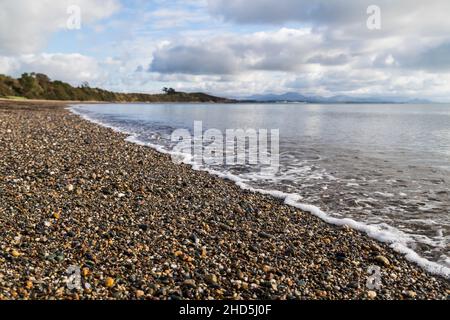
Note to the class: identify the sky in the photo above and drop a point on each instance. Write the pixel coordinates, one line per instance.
(234, 48)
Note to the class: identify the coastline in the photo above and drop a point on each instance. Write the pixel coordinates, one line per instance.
(139, 226)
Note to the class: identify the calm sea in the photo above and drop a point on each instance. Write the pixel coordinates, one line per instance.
(383, 169)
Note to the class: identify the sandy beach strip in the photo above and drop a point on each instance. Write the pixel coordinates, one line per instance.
(127, 223)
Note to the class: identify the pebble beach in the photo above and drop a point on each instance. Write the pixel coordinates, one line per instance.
(77, 199)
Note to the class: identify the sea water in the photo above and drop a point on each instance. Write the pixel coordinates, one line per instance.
(382, 169)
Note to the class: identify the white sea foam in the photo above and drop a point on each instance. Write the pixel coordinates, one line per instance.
(397, 239)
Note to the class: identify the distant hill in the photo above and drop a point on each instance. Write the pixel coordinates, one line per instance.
(39, 86)
(296, 97)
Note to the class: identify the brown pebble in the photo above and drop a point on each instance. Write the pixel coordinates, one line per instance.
(139, 294)
(15, 253)
(109, 282)
(383, 260)
(211, 279)
(29, 285)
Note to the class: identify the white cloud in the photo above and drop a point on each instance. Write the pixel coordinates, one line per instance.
(72, 68)
(326, 44)
(26, 25)
(282, 50)
(312, 47)
(398, 17)
(8, 65)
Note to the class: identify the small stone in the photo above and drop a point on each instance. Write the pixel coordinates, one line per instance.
(265, 235)
(56, 215)
(140, 294)
(15, 253)
(178, 253)
(211, 279)
(121, 195)
(237, 284)
(59, 257)
(354, 285)
(383, 260)
(109, 282)
(189, 283)
(410, 294)
(29, 285)
(376, 247)
(301, 283)
(143, 227)
(194, 239)
(267, 268)
(274, 285)
(341, 256)
(371, 294)
(322, 294)
(60, 291)
(70, 187)
(85, 272)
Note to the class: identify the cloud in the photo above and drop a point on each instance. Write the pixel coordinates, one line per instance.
(8, 65)
(194, 59)
(398, 17)
(175, 17)
(282, 50)
(282, 11)
(235, 47)
(72, 68)
(25, 26)
(435, 59)
(329, 60)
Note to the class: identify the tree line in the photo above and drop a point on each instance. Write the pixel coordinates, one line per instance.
(40, 86)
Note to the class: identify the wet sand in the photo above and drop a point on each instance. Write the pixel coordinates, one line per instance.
(137, 226)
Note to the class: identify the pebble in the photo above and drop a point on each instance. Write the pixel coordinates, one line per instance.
(160, 249)
(211, 279)
(57, 215)
(139, 294)
(189, 283)
(109, 282)
(371, 294)
(85, 272)
(410, 294)
(15, 253)
(267, 268)
(29, 285)
(383, 260)
(265, 235)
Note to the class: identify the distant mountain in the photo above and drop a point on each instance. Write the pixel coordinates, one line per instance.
(296, 97)
(289, 96)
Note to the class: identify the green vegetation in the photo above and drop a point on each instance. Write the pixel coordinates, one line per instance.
(16, 98)
(41, 87)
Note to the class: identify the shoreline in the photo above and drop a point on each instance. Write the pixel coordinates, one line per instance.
(139, 226)
(294, 199)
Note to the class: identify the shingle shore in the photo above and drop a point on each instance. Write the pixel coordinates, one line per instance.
(134, 225)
